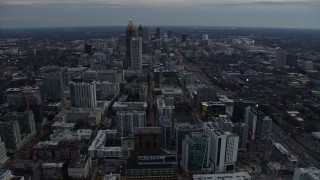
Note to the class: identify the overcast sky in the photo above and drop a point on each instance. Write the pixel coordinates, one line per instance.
(247, 13)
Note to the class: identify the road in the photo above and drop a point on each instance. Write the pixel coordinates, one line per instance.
(280, 136)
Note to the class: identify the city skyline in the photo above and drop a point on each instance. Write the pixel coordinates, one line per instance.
(243, 13)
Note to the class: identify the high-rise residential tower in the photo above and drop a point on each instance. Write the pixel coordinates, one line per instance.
(129, 34)
(83, 95)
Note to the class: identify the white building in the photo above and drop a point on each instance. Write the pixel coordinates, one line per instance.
(136, 53)
(163, 110)
(311, 173)
(223, 149)
(98, 148)
(205, 37)
(128, 120)
(83, 95)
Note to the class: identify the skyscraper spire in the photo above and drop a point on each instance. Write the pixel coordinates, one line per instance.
(130, 32)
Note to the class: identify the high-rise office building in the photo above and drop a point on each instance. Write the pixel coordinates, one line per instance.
(11, 135)
(195, 153)
(130, 32)
(281, 58)
(166, 127)
(25, 120)
(223, 149)
(239, 109)
(140, 31)
(183, 129)
(170, 34)
(205, 37)
(184, 37)
(136, 53)
(83, 94)
(158, 33)
(127, 120)
(52, 86)
(88, 49)
(259, 129)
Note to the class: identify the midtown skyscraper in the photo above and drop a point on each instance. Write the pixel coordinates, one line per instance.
(129, 34)
(136, 53)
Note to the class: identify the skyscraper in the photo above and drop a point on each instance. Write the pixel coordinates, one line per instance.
(136, 53)
(281, 59)
(140, 31)
(83, 95)
(170, 35)
(195, 153)
(158, 33)
(223, 149)
(129, 34)
(259, 128)
(52, 86)
(184, 37)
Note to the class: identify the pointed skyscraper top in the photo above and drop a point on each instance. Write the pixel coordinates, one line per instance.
(130, 25)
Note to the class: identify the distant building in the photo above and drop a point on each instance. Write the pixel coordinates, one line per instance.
(170, 34)
(158, 33)
(311, 173)
(281, 58)
(205, 37)
(147, 141)
(136, 53)
(195, 153)
(184, 37)
(292, 60)
(83, 95)
(88, 49)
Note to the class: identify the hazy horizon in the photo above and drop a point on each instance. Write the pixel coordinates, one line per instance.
(301, 14)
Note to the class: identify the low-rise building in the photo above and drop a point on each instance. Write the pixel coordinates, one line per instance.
(52, 171)
(79, 167)
(224, 176)
(311, 173)
(152, 167)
